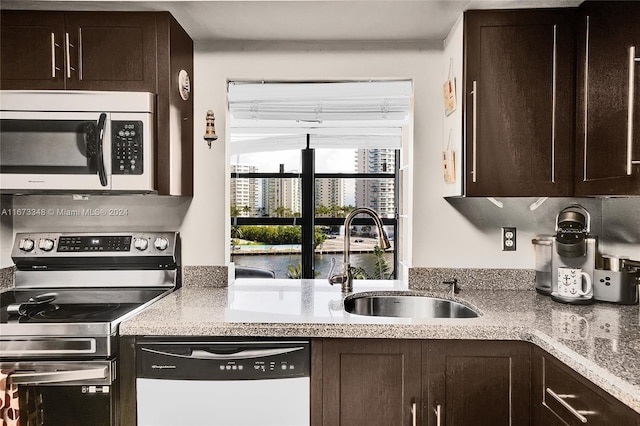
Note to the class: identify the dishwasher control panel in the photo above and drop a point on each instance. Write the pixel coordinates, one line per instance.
(219, 360)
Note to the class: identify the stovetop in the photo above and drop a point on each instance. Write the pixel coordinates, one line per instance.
(69, 306)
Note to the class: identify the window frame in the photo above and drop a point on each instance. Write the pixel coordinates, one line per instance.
(308, 174)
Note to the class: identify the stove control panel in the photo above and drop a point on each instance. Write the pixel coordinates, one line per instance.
(94, 243)
(43, 245)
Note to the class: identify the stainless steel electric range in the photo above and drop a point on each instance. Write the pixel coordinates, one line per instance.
(59, 325)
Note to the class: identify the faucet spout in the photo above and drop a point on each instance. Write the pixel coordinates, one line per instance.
(346, 278)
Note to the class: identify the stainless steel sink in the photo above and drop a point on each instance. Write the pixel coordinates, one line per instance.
(405, 305)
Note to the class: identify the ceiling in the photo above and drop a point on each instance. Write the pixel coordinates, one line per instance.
(324, 20)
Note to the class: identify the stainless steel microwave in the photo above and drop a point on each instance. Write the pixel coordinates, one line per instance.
(76, 141)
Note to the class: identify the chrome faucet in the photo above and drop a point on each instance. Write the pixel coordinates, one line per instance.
(346, 278)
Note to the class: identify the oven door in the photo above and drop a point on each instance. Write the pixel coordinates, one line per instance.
(65, 393)
(55, 151)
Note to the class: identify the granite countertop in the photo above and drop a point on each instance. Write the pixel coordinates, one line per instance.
(599, 341)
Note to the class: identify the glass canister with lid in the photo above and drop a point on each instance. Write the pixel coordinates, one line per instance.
(543, 245)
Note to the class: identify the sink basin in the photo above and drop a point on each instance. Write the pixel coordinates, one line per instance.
(405, 305)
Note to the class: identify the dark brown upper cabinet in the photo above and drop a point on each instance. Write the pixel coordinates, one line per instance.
(78, 51)
(32, 50)
(608, 99)
(518, 103)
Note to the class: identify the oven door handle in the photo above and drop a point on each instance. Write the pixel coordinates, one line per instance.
(102, 174)
(36, 378)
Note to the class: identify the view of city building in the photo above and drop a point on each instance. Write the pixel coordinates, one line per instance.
(281, 197)
(277, 197)
(330, 193)
(377, 194)
(244, 191)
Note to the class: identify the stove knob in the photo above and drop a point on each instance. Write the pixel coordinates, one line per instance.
(26, 244)
(161, 243)
(45, 244)
(141, 244)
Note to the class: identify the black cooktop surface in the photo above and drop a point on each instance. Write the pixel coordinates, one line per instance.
(71, 305)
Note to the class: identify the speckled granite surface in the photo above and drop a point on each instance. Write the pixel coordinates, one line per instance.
(205, 276)
(6, 277)
(472, 278)
(599, 341)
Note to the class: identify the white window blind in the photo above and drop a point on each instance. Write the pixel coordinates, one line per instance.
(279, 116)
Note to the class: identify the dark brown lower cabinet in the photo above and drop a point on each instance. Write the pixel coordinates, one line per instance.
(388, 382)
(563, 397)
(476, 383)
(369, 382)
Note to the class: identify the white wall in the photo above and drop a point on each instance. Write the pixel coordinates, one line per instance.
(217, 64)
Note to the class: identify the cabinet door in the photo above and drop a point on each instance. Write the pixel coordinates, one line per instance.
(31, 50)
(519, 102)
(475, 383)
(562, 397)
(370, 382)
(111, 51)
(608, 134)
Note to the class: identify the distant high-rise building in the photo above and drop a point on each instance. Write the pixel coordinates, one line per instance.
(330, 192)
(244, 191)
(377, 194)
(281, 196)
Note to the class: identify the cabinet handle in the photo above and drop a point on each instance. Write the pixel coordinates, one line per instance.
(553, 104)
(586, 99)
(561, 399)
(474, 129)
(67, 52)
(53, 55)
(438, 410)
(414, 414)
(632, 73)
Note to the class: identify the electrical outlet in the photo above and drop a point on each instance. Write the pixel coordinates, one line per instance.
(508, 239)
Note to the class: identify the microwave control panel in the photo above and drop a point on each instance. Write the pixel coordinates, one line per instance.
(126, 148)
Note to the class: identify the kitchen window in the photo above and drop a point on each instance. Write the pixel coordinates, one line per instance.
(303, 155)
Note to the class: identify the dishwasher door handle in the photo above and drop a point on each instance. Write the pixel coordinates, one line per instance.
(244, 354)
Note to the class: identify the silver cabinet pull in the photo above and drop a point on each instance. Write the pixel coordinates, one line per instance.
(553, 105)
(68, 47)
(53, 55)
(414, 414)
(474, 129)
(586, 100)
(561, 399)
(632, 74)
(438, 410)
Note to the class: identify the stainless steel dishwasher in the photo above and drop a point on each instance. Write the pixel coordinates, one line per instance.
(223, 383)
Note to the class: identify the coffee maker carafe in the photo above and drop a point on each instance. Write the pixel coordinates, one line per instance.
(573, 247)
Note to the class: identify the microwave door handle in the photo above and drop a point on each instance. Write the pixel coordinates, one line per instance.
(102, 174)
